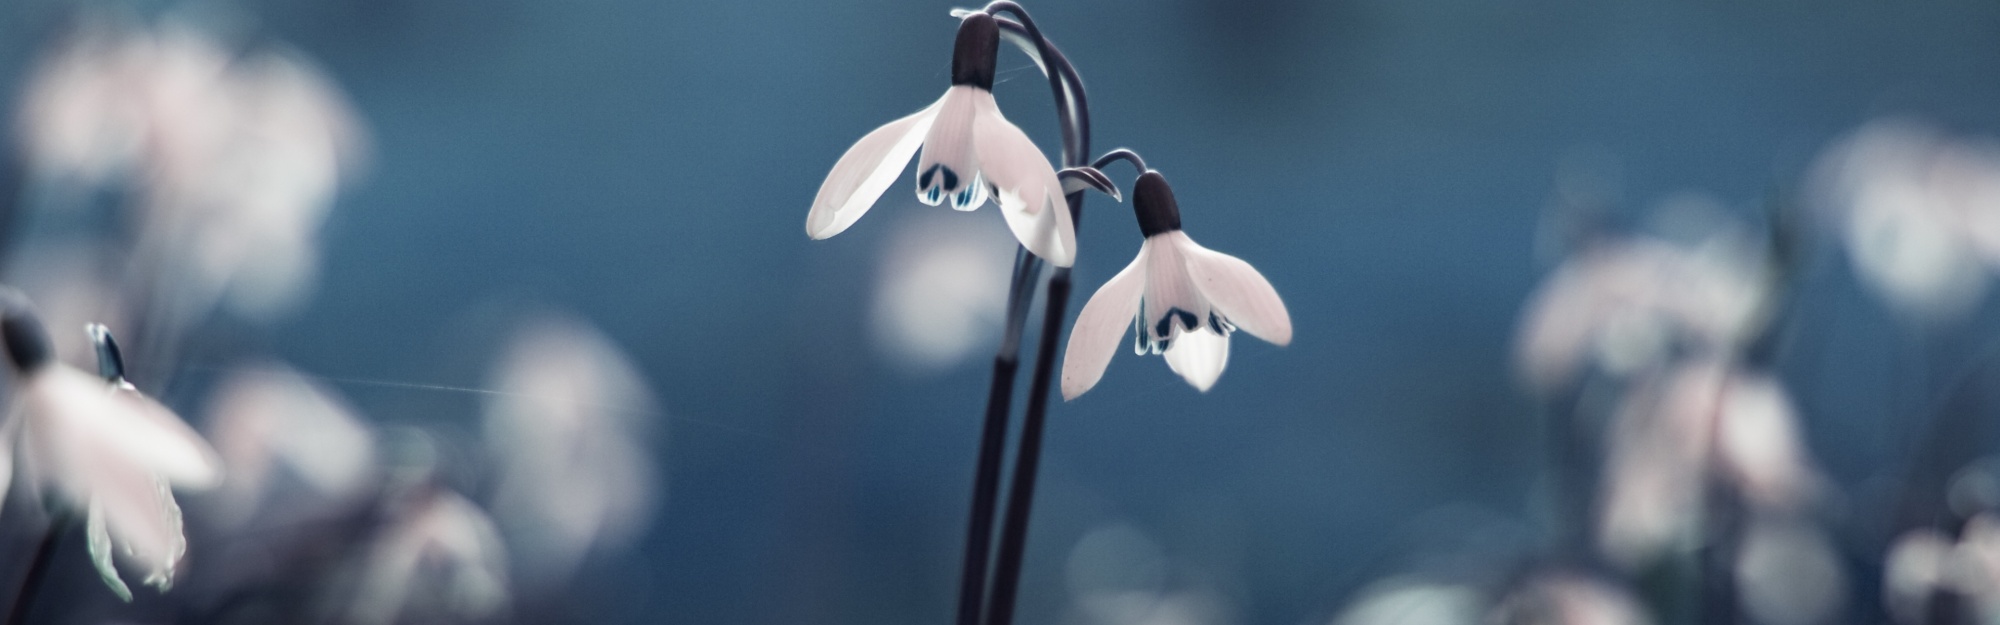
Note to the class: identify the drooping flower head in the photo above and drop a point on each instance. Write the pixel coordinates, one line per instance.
(970, 153)
(1183, 301)
(108, 451)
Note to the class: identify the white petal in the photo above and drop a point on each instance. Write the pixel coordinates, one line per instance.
(7, 442)
(1030, 196)
(98, 538)
(92, 420)
(948, 168)
(1199, 357)
(1094, 338)
(1236, 290)
(865, 171)
(1172, 303)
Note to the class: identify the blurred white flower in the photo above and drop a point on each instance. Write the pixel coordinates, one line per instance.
(109, 452)
(1625, 305)
(941, 291)
(441, 555)
(569, 425)
(1181, 299)
(267, 417)
(970, 153)
(1919, 213)
(234, 159)
(1789, 573)
(1924, 562)
(1568, 599)
(1704, 423)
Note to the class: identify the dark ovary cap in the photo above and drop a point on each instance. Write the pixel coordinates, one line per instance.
(976, 52)
(27, 342)
(1153, 202)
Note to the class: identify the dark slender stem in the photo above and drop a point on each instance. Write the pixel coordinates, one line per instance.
(38, 568)
(1119, 154)
(993, 441)
(1027, 461)
(1073, 111)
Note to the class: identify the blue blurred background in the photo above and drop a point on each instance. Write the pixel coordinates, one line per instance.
(1386, 163)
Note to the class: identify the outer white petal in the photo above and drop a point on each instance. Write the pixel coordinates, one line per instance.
(89, 418)
(1199, 357)
(949, 147)
(98, 539)
(1026, 188)
(1235, 289)
(865, 171)
(1094, 338)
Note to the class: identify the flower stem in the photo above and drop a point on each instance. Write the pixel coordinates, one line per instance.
(993, 441)
(1073, 111)
(1027, 460)
(38, 568)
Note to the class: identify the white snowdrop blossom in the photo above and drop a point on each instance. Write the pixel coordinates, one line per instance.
(1705, 421)
(1181, 299)
(970, 153)
(570, 427)
(1919, 213)
(108, 452)
(1624, 305)
(441, 556)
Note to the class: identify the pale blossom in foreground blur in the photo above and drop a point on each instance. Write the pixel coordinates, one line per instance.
(439, 558)
(269, 422)
(569, 426)
(109, 453)
(1919, 213)
(1625, 305)
(1702, 425)
(233, 159)
(941, 292)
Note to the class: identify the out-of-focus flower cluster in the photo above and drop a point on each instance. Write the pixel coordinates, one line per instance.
(175, 174)
(226, 160)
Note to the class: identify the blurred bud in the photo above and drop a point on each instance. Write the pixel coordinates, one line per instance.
(1913, 572)
(1788, 573)
(266, 418)
(1919, 213)
(569, 427)
(1116, 574)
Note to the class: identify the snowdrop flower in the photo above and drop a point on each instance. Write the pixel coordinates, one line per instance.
(570, 428)
(1181, 299)
(106, 450)
(970, 153)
